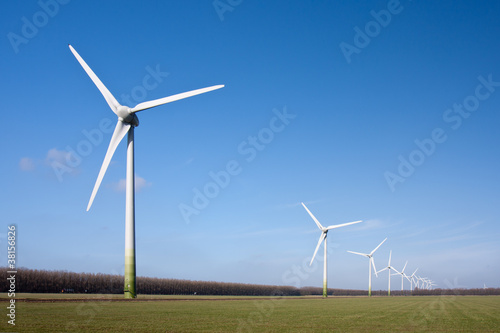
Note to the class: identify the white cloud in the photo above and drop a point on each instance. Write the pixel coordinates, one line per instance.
(27, 164)
(60, 156)
(120, 186)
(140, 183)
(62, 162)
(370, 224)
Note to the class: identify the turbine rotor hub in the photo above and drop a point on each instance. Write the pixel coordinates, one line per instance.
(123, 111)
(126, 116)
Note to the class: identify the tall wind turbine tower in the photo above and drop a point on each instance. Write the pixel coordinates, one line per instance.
(127, 121)
(389, 267)
(322, 238)
(371, 263)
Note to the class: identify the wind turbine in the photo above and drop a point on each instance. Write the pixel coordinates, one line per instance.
(371, 263)
(417, 282)
(411, 279)
(127, 120)
(322, 237)
(422, 282)
(402, 273)
(425, 283)
(431, 284)
(389, 267)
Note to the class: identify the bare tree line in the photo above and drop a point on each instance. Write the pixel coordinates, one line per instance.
(44, 281)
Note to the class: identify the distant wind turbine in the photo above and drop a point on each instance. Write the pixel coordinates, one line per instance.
(389, 267)
(126, 122)
(322, 237)
(371, 263)
(417, 282)
(425, 283)
(411, 279)
(402, 273)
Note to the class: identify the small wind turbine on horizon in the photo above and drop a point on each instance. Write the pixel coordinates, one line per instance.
(432, 284)
(402, 273)
(417, 282)
(389, 267)
(411, 279)
(371, 263)
(322, 238)
(127, 120)
(420, 282)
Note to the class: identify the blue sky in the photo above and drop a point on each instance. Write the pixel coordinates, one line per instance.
(383, 111)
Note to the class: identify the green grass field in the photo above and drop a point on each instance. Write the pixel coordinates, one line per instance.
(254, 314)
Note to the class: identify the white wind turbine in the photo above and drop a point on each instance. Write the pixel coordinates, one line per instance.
(431, 284)
(417, 282)
(411, 278)
(389, 267)
(322, 237)
(371, 263)
(127, 120)
(425, 283)
(402, 273)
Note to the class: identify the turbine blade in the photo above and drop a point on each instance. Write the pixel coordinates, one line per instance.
(120, 130)
(323, 235)
(361, 254)
(342, 225)
(383, 269)
(110, 99)
(165, 100)
(414, 272)
(378, 246)
(374, 268)
(314, 218)
(402, 271)
(390, 254)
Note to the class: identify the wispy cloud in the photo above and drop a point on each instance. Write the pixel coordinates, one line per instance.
(461, 233)
(140, 183)
(55, 155)
(369, 224)
(60, 161)
(27, 164)
(468, 227)
(189, 161)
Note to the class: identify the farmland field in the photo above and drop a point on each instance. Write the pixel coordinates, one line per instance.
(46, 313)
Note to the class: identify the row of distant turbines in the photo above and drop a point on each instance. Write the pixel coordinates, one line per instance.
(417, 281)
